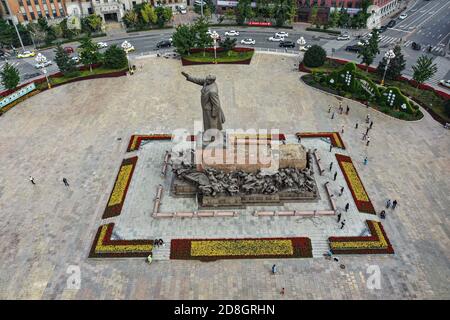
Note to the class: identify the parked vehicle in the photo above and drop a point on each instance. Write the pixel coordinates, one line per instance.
(276, 39)
(354, 48)
(305, 48)
(343, 37)
(42, 65)
(182, 9)
(282, 34)
(248, 41)
(403, 16)
(445, 83)
(383, 29)
(102, 45)
(287, 44)
(69, 50)
(76, 59)
(129, 49)
(391, 23)
(416, 46)
(164, 44)
(26, 54)
(232, 33)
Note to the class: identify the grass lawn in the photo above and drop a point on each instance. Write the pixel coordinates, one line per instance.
(231, 56)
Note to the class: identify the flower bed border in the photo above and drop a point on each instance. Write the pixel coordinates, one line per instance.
(187, 62)
(115, 210)
(366, 207)
(181, 249)
(356, 244)
(104, 247)
(136, 140)
(335, 137)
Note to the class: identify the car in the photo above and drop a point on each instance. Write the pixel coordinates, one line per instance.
(382, 29)
(182, 9)
(172, 55)
(69, 50)
(416, 46)
(282, 34)
(248, 41)
(26, 54)
(76, 59)
(276, 39)
(403, 16)
(287, 44)
(129, 49)
(102, 45)
(354, 48)
(232, 33)
(42, 65)
(164, 44)
(343, 37)
(305, 48)
(391, 23)
(445, 83)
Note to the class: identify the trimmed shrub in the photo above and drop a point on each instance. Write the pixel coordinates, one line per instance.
(393, 98)
(115, 58)
(315, 57)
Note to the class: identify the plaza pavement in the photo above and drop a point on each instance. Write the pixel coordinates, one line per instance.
(73, 131)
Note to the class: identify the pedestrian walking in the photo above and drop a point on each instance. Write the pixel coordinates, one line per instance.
(367, 130)
(332, 115)
(331, 165)
(342, 224)
(368, 141)
(388, 204)
(368, 118)
(347, 206)
(150, 258)
(364, 136)
(383, 214)
(394, 204)
(356, 125)
(371, 124)
(331, 147)
(347, 110)
(329, 108)
(156, 243)
(65, 182)
(32, 180)
(365, 161)
(274, 269)
(335, 175)
(342, 130)
(342, 191)
(339, 217)
(282, 291)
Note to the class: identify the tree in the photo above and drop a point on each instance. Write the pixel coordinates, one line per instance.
(115, 58)
(344, 17)
(395, 67)
(184, 38)
(130, 18)
(333, 20)
(202, 38)
(313, 16)
(65, 31)
(89, 52)
(148, 14)
(424, 69)
(91, 23)
(65, 64)
(6, 33)
(369, 49)
(164, 15)
(314, 57)
(282, 11)
(243, 11)
(10, 77)
(228, 44)
(229, 14)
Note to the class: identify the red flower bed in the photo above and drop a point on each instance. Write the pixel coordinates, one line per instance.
(376, 243)
(334, 137)
(104, 247)
(181, 249)
(359, 193)
(119, 190)
(136, 139)
(303, 68)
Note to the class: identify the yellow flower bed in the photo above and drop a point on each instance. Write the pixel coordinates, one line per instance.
(100, 247)
(241, 248)
(380, 244)
(356, 184)
(121, 183)
(337, 140)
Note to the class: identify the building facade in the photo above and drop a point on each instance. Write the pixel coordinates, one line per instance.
(25, 11)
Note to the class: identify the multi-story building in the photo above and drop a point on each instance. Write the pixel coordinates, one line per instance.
(79, 8)
(30, 10)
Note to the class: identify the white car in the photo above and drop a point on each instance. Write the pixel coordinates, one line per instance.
(281, 34)
(129, 49)
(305, 48)
(232, 33)
(102, 44)
(445, 83)
(276, 39)
(76, 59)
(403, 16)
(343, 37)
(42, 65)
(248, 41)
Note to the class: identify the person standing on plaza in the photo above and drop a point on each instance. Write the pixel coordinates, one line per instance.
(371, 124)
(342, 191)
(282, 291)
(367, 130)
(365, 161)
(335, 175)
(347, 206)
(368, 118)
(339, 217)
(356, 125)
(331, 165)
(329, 108)
(331, 147)
(332, 115)
(347, 110)
(274, 269)
(394, 204)
(150, 258)
(342, 224)
(368, 141)
(383, 214)
(65, 182)
(32, 180)
(388, 204)
(364, 136)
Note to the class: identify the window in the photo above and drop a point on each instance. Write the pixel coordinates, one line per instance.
(33, 17)
(25, 17)
(54, 12)
(36, 2)
(29, 2)
(61, 12)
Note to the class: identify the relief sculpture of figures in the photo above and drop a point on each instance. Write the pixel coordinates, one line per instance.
(213, 116)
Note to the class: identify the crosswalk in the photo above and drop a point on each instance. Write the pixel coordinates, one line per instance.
(14, 64)
(437, 49)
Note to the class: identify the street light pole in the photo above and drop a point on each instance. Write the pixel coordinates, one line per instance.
(17, 31)
(40, 58)
(388, 55)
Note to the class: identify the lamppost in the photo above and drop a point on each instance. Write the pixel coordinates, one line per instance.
(388, 55)
(41, 59)
(215, 36)
(126, 46)
(301, 43)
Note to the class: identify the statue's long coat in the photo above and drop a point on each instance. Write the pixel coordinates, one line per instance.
(213, 116)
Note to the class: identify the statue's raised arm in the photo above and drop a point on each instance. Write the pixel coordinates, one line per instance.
(199, 81)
